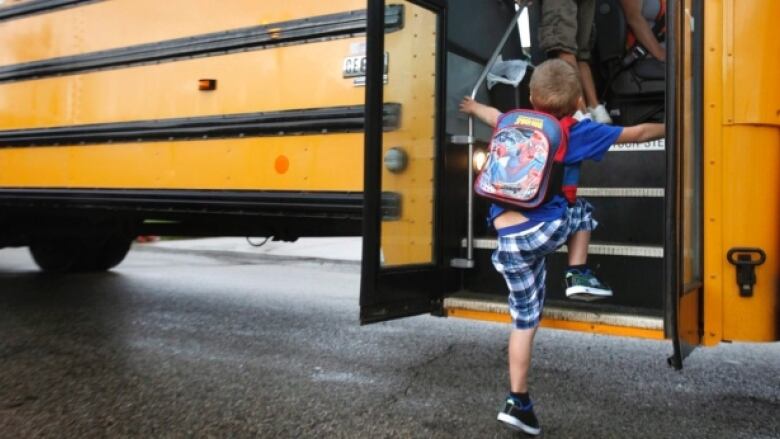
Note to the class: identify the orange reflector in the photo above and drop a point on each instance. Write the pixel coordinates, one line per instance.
(207, 84)
(282, 164)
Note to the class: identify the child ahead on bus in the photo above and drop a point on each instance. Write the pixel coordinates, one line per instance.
(526, 237)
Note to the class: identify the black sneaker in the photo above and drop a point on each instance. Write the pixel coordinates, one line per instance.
(584, 285)
(519, 417)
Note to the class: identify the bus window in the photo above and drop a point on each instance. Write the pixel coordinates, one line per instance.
(690, 142)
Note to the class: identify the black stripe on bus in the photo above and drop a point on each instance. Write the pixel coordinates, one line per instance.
(306, 121)
(298, 31)
(38, 7)
(269, 203)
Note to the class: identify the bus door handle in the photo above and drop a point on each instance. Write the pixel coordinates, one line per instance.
(746, 265)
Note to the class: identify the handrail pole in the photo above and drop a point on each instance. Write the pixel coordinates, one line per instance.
(480, 81)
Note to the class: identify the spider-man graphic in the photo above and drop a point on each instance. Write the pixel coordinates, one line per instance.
(519, 158)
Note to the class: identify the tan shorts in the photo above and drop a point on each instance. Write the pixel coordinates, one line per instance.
(567, 26)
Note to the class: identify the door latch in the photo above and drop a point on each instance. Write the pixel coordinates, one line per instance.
(746, 267)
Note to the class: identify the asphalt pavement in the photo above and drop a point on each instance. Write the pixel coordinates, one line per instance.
(200, 341)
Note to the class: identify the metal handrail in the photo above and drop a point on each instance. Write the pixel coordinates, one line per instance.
(469, 261)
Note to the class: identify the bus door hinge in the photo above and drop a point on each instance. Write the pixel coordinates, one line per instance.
(742, 258)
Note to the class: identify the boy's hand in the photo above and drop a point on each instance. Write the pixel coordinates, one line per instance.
(486, 114)
(468, 105)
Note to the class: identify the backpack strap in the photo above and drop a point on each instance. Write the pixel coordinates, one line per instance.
(558, 169)
(566, 124)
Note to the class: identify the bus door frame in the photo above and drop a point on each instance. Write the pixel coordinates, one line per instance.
(684, 297)
(393, 292)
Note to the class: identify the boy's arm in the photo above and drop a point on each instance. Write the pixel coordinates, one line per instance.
(642, 133)
(485, 113)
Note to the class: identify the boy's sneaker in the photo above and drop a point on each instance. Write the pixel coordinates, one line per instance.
(599, 114)
(584, 285)
(519, 417)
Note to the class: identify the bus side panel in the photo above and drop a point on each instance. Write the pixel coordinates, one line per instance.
(278, 163)
(270, 142)
(274, 79)
(751, 215)
(741, 183)
(114, 24)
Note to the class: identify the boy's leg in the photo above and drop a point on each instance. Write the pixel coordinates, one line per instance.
(581, 282)
(520, 349)
(524, 274)
(518, 412)
(520, 259)
(578, 247)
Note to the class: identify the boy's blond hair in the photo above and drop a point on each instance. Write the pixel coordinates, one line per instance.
(555, 88)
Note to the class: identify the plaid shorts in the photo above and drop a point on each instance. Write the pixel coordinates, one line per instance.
(520, 259)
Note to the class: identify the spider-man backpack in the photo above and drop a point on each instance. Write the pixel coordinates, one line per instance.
(524, 167)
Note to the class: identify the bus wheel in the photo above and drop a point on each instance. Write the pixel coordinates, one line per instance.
(67, 254)
(57, 254)
(106, 254)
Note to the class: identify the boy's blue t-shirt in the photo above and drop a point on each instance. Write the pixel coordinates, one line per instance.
(588, 140)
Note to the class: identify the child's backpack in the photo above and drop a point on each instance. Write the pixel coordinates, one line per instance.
(524, 167)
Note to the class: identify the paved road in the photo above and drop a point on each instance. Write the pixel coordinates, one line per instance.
(176, 345)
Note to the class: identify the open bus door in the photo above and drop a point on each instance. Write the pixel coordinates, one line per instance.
(683, 262)
(402, 273)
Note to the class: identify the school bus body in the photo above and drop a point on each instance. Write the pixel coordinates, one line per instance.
(101, 106)
(203, 117)
(146, 88)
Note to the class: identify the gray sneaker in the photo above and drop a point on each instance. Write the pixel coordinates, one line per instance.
(584, 285)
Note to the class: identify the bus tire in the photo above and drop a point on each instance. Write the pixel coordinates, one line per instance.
(56, 254)
(69, 254)
(106, 254)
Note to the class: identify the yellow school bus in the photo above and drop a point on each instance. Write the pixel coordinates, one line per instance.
(311, 118)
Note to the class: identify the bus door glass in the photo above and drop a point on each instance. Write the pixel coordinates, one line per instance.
(401, 273)
(684, 205)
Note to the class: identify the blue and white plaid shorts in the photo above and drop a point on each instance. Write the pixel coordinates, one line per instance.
(520, 258)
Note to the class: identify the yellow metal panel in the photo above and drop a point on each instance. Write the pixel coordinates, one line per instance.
(412, 81)
(331, 162)
(756, 61)
(741, 200)
(119, 23)
(751, 215)
(301, 76)
(713, 102)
